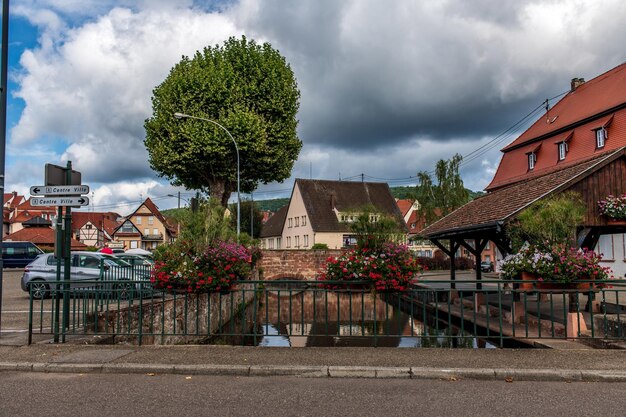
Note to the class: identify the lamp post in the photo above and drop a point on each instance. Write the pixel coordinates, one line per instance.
(186, 116)
(179, 198)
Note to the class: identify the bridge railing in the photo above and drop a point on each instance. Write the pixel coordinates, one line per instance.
(306, 313)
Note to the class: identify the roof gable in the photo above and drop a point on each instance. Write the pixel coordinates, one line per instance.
(274, 225)
(322, 197)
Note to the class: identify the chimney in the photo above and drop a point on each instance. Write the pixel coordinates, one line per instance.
(577, 82)
(333, 201)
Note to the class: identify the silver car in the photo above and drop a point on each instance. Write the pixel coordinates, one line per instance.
(87, 268)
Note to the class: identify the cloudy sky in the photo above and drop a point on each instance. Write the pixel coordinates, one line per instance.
(387, 87)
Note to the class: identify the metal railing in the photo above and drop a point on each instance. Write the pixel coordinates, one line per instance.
(305, 313)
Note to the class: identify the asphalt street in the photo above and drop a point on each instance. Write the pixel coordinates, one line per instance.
(151, 394)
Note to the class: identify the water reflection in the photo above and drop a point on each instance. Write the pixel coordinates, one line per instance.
(316, 317)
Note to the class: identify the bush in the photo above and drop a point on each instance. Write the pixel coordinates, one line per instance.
(319, 246)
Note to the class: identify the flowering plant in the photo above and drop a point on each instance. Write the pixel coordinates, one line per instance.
(556, 263)
(179, 267)
(614, 207)
(391, 268)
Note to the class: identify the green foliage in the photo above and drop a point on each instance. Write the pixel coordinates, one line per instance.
(373, 229)
(440, 198)
(272, 205)
(245, 87)
(319, 246)
(205, 226)
(547, 222)
(250, 214)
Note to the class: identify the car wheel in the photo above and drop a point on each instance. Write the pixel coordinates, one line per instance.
(39, 289)
(125, 291)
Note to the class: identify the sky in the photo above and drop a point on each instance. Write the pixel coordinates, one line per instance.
(387, 87)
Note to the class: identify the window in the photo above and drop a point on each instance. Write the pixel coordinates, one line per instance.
(290, 222)
(297, 221)
(128, 227)
(278, 242)
(413, 225)
(297, 241)
(155, 231)
(133, 244)
(146, 231)
(532, 158)
(138, 220)
(562, 150)
(288, 241)
(306, 240)
(605, 247)
(88, 226)
(150, 219)
(600, 137)
(303, 220)
(271, 243)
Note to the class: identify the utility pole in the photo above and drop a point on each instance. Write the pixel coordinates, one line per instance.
(252, 215)
(179, 199)
(3, 118)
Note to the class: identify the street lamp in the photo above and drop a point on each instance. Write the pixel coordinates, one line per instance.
(186, 116)
(179, 198)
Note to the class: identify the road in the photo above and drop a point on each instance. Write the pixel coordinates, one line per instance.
(14, 302)
(40, 394)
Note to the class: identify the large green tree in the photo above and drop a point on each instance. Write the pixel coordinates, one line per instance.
(444, 194)
(250, 90)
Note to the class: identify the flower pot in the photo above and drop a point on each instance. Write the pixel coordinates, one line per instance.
(616, 222)
(550, 285)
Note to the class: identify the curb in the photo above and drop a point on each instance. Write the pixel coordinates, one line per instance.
(509, 375)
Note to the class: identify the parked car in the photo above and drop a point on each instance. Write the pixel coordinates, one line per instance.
(87, 268)
(486, 266)
(19, 254)
(135, 259)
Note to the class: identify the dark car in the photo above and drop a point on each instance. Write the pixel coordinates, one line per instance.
(486, 266)
(19, 254)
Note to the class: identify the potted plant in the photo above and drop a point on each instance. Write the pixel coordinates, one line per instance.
(179, 268)
(554, 267)
(390, 268)
(614, 208)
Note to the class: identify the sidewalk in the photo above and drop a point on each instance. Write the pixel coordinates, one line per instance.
(484, 364)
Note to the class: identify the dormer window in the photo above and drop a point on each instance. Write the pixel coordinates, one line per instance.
(532, 158)
(562, 150)
(600, 138)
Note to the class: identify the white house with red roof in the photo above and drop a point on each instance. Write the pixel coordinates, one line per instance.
(94, 228)
(145, 228)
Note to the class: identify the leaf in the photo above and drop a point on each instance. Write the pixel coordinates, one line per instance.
(509, 379)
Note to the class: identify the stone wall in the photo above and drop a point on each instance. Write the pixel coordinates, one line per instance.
(294, 264)
(172, 319)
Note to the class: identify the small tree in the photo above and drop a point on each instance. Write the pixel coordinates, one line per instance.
(547, 222)
(446, 195)
(250, 214)
(205, 225)
(373, 229)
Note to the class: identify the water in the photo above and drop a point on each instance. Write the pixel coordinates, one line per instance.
(314, 317)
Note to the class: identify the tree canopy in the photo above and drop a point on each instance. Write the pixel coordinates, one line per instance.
(440, 198)
(250, 90)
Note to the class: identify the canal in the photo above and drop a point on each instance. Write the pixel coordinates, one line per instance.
(304, 317)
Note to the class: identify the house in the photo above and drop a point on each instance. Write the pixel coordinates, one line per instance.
(20, 211)
(94, 228)
(320, 211)
(39, 231)
(415, 224)
(145, 228)
(578, 145)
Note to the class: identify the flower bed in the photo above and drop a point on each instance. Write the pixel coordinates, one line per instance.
(389, 269)
(555, 264)
(613, 207)
(179, 268)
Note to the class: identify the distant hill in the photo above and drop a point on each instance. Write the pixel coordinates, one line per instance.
(272, 205)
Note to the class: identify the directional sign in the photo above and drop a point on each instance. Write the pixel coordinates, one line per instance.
(59, 190)
(57, 175)
(59, 201)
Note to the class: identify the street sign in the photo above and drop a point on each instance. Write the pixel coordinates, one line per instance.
(56, 175)
(59, 190)
(59, 201)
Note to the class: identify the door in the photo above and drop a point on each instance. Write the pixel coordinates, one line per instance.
(85, 267)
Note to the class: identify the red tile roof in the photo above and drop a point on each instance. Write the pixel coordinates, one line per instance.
(592, 105)
(504, 203)
(155, 211)
(42, 236)
(404, 206)
(274, 225)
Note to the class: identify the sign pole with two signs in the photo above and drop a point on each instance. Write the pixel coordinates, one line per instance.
(62, 188)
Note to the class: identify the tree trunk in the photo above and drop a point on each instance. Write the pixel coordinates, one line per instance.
(217, 189)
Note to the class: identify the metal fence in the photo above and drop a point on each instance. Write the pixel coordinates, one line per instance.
(304, 313)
